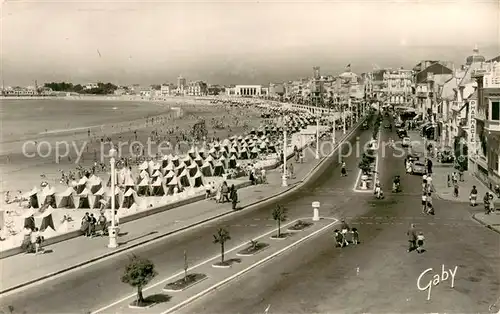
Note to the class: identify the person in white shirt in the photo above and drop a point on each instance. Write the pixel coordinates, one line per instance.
(263, 175)
(424, 202)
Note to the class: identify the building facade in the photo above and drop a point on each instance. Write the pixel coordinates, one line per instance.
(197, 88)
(398, 86)
(246, 91)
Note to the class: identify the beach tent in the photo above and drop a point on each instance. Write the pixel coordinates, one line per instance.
(129, 197)
(175, 160)
(254, 153)
(143, 174)
(96, 198)
(202, 153)
(95, 184)
(196, 180)
(158, 188)
(144, 166)
(206, 169)
(218, 169)
(157, 173)
(80, 186)
(168, 168)
(65, 199)
(129, 183)
(48, 197)
(32, 197)
(232, 162)
(184, 179)
(233, 152)
(192, 169)
(243, 153)
(210, 159)
(169, 177)
(143, 187)
(180, 168)
(107, 198)
(212, 152)
(151, 167)
(46, 219)
(29, 220)
(83, 199)
(192, 152)
(198, 160)
(223, 160)
(165, 161)
(186, 160)
(174, 183)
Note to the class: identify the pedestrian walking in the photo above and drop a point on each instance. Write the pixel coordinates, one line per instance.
(290, 168)
(420, 242)
(455, 189)
(430, 206)
(412, 238)
(473, 196)
(424, 202)
(234, 197)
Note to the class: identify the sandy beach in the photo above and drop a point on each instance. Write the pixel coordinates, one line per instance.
(72, 128)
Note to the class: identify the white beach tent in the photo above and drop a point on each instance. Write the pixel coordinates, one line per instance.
(32, 197)
(174, 183)
(96, 198)
(184, 178)
(168, 168)
(95, 184)
(210, 160)
(206, 169)
(107, 198)
(175, 160)
(48, 197)
(143, 166)
(219, 169)
(180, 168)
(192, 152)
(45, 219)
(192, 169)
(80, 186)
(201, 152)
(232, 162)
(158, 188)
(198, 160)
(29, 220)
(129, 197)
(196, 180)
(84, 199)
(143, 187)
(186, 160)
(129, 183)
(169, 177)
(65, 199)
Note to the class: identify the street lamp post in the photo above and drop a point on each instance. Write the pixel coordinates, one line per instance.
(334, 128)
(283, 177)
(112, 230)
(317, 136)
(343, 117)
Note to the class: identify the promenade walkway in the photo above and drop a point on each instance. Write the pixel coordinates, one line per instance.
(21, 270)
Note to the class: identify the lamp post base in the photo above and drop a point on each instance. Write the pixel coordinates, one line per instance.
(113, 232)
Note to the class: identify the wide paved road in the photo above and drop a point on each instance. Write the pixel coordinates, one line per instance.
(99, 285)
(378, 276)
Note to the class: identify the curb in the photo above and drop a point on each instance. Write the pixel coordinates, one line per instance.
(260, 203)
(484, 224)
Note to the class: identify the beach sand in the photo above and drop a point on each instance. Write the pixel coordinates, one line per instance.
(21, 173)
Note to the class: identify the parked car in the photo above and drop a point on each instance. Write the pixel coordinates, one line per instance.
(446, 157)
(406, 142)
(402, 133)
(364, 126)
(418, 167)
(413, 157)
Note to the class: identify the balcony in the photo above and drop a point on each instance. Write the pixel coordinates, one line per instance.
(492, 126)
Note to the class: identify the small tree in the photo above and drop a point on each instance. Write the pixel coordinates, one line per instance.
(138, 273)
(221, 237)
(279, 215)
(186, 266)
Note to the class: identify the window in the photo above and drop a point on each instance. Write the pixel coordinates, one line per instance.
(495, 110)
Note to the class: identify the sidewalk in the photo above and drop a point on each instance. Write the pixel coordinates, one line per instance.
(491, 221)
(440, 177)
(21, 270)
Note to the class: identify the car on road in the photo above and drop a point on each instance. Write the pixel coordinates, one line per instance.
(418, 167)
(364, 126)
(402, 133)
(406, 142)
(388, 126)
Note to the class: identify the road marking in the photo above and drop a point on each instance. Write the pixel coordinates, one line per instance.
(240, 273)
(191, 268)
(253, 225)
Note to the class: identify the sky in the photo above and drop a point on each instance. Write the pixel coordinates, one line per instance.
(234, 42)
